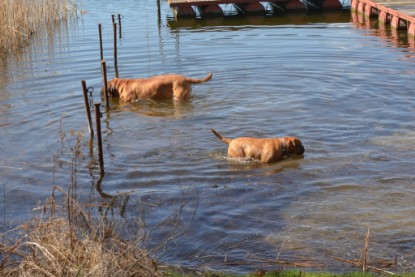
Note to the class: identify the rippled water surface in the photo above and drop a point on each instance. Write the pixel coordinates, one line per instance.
(341, 84)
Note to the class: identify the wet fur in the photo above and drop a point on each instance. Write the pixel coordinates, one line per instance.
(171, 86)
(267, 150)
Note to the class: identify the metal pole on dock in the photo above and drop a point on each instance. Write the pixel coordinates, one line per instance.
(115, 49)
(87, 108)
(99, 137)
(104, 77)
(100, 41)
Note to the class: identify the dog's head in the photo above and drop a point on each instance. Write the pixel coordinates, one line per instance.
(294, 146)
(112, 88)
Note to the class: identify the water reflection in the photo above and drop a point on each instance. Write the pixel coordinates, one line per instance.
(399, 38)
(254, 167)
(4, 80)
(44, 45)
(159, 108)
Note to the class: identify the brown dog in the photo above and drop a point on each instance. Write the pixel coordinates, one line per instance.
(267, 150)
(171, 86)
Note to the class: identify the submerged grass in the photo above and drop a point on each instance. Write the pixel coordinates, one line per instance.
(21, 19)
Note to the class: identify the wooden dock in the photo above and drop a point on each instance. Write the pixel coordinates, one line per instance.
(400, 14)
(212, 8)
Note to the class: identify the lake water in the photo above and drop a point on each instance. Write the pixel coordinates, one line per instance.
(342, 84)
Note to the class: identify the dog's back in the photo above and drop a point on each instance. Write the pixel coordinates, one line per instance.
(166, 86)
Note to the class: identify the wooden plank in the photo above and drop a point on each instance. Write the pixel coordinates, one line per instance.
(404, 6)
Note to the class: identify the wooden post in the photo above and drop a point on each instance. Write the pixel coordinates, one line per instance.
(114, 25)
(113, 18)
(100, 41)
(87, 108)
(99, 137)
(119, 26)
(104, 77)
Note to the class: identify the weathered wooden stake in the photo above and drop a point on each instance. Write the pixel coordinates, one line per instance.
(114, 25)
(100, 41)
(104, 77)
(99, 137)
(113, 18)
(158, 15)
(119, 26)
(87, 108)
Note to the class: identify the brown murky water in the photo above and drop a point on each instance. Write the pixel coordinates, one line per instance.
(342, 85)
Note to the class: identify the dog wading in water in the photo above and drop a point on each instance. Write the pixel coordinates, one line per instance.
(170, 86)
(267, 150)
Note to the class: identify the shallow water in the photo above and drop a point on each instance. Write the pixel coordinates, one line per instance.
(341, 84)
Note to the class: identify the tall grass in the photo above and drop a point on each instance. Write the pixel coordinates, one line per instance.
(21, 19)
(64, 241)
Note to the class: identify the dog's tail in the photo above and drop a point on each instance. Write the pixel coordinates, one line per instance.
(225, 140)
(200, 81)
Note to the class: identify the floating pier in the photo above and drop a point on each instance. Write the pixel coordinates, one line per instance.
(400, 14)
(212, 8)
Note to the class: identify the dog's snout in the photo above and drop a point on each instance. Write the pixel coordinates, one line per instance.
(301, 150)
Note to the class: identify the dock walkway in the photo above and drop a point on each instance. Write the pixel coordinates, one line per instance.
(400, 14)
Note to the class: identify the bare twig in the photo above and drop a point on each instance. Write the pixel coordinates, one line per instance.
(369, 267)
(364, 260)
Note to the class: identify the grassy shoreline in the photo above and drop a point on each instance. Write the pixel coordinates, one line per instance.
(63, 239)
(20, 20)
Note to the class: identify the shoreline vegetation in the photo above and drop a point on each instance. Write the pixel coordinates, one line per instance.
(64, 239)
(68, 238)
(20, 20)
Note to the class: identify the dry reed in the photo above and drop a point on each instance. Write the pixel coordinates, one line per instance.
(363, 261)
(68, 243)
(21, 19)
